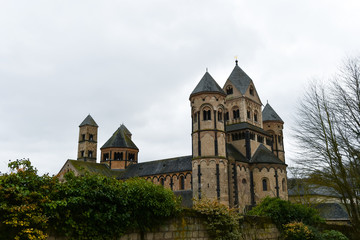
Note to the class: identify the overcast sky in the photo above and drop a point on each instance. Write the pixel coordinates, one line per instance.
(136, 62)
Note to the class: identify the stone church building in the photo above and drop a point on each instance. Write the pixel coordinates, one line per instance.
(237, 148)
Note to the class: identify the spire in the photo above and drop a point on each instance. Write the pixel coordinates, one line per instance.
(236, 62)
(88, 121)
(269, 114)
(207, 84)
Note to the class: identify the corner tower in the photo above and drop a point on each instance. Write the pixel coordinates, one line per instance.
(88, 135)
(209, 162)
(274, 125)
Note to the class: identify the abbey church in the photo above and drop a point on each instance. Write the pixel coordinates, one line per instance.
(237, 148)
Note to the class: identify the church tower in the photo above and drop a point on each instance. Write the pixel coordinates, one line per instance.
(274, 125)
(88, 135)
(209, 162)
(119, 151)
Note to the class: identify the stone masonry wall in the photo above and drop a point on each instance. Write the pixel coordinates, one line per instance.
(193, 228)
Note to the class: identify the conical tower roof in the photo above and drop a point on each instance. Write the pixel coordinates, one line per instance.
(88, 121)
(207, 84)
(239, 79)
(269, 114)
(120, 139)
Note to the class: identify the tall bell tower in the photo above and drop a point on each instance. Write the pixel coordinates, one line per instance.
(209, 162)
(88, 135)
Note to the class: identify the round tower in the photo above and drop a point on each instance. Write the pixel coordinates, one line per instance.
(274, 125)
(209, 163)
(87, 140)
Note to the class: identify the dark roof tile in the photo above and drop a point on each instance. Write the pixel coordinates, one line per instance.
(264, 155)
(240, 79)
(269, 114)
(207, 84)
(88, 121)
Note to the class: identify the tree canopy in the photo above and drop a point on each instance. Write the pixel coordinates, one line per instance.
(328, 135)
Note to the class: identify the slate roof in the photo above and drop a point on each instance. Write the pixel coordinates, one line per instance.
(264, 155)
(93, 168)
(240, 79)
(88, 121)
(234, 154)
(245, 125)
(298, 190)
(171, 165)
(207, 84)
(332, 211)
(120, 139)
(269, 114)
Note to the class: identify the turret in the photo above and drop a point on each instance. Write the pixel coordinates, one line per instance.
(209, 164)
(274, 125)
(87, 140)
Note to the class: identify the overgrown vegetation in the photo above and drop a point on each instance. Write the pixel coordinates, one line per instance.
(87, 207)
(222, 223)
(295, 221)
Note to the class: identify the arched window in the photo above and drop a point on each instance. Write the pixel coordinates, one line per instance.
(265, 184)
(255, 116)
(248, 113)
(243, 181)
(229, 90)
(121, 156)
(90, 154)
(220, 116)
(206, 114)
(283, 185)
(182, 183)
(236, 113)
(162, 181)
(251, 90)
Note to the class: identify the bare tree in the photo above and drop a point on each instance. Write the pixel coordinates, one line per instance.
(328, 134)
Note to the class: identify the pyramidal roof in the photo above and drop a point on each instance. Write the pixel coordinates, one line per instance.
(88, 121)
(120, 139)
(264, 155)
(207, 84)
(269, 114)
(239, 79)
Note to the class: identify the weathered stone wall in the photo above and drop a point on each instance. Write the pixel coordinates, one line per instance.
(193, 228)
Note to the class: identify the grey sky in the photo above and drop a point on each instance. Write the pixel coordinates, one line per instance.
(136, 62)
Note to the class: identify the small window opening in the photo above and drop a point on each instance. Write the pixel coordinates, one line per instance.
(220, 116)
(90, 154)
(268, 141)
(83, 137)
(260, 139)
(251, 91)
(229, 90)
(255, 117)
(248, 114)
(182, 183)
(252, 136)
(162, 182)
(265, 184)
(207, 115)
(82, 153)
(131, 156)
(106, 156)
(243, 181)
(236, 114)
(91, 137)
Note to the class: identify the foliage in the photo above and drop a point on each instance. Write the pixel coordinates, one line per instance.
(23, 201)
(222, 222)
(297, 231)
(283, 212)
(328, 130)
(333, 235)
(86, 207)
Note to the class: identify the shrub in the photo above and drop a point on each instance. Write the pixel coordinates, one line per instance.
(282, 212)
(333, 235)
(221, 222)
(298, 231)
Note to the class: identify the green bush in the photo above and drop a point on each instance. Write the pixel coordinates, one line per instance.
(333, 235)
(298, 231)
(222, 223)
(282, 212)
(86, 207)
